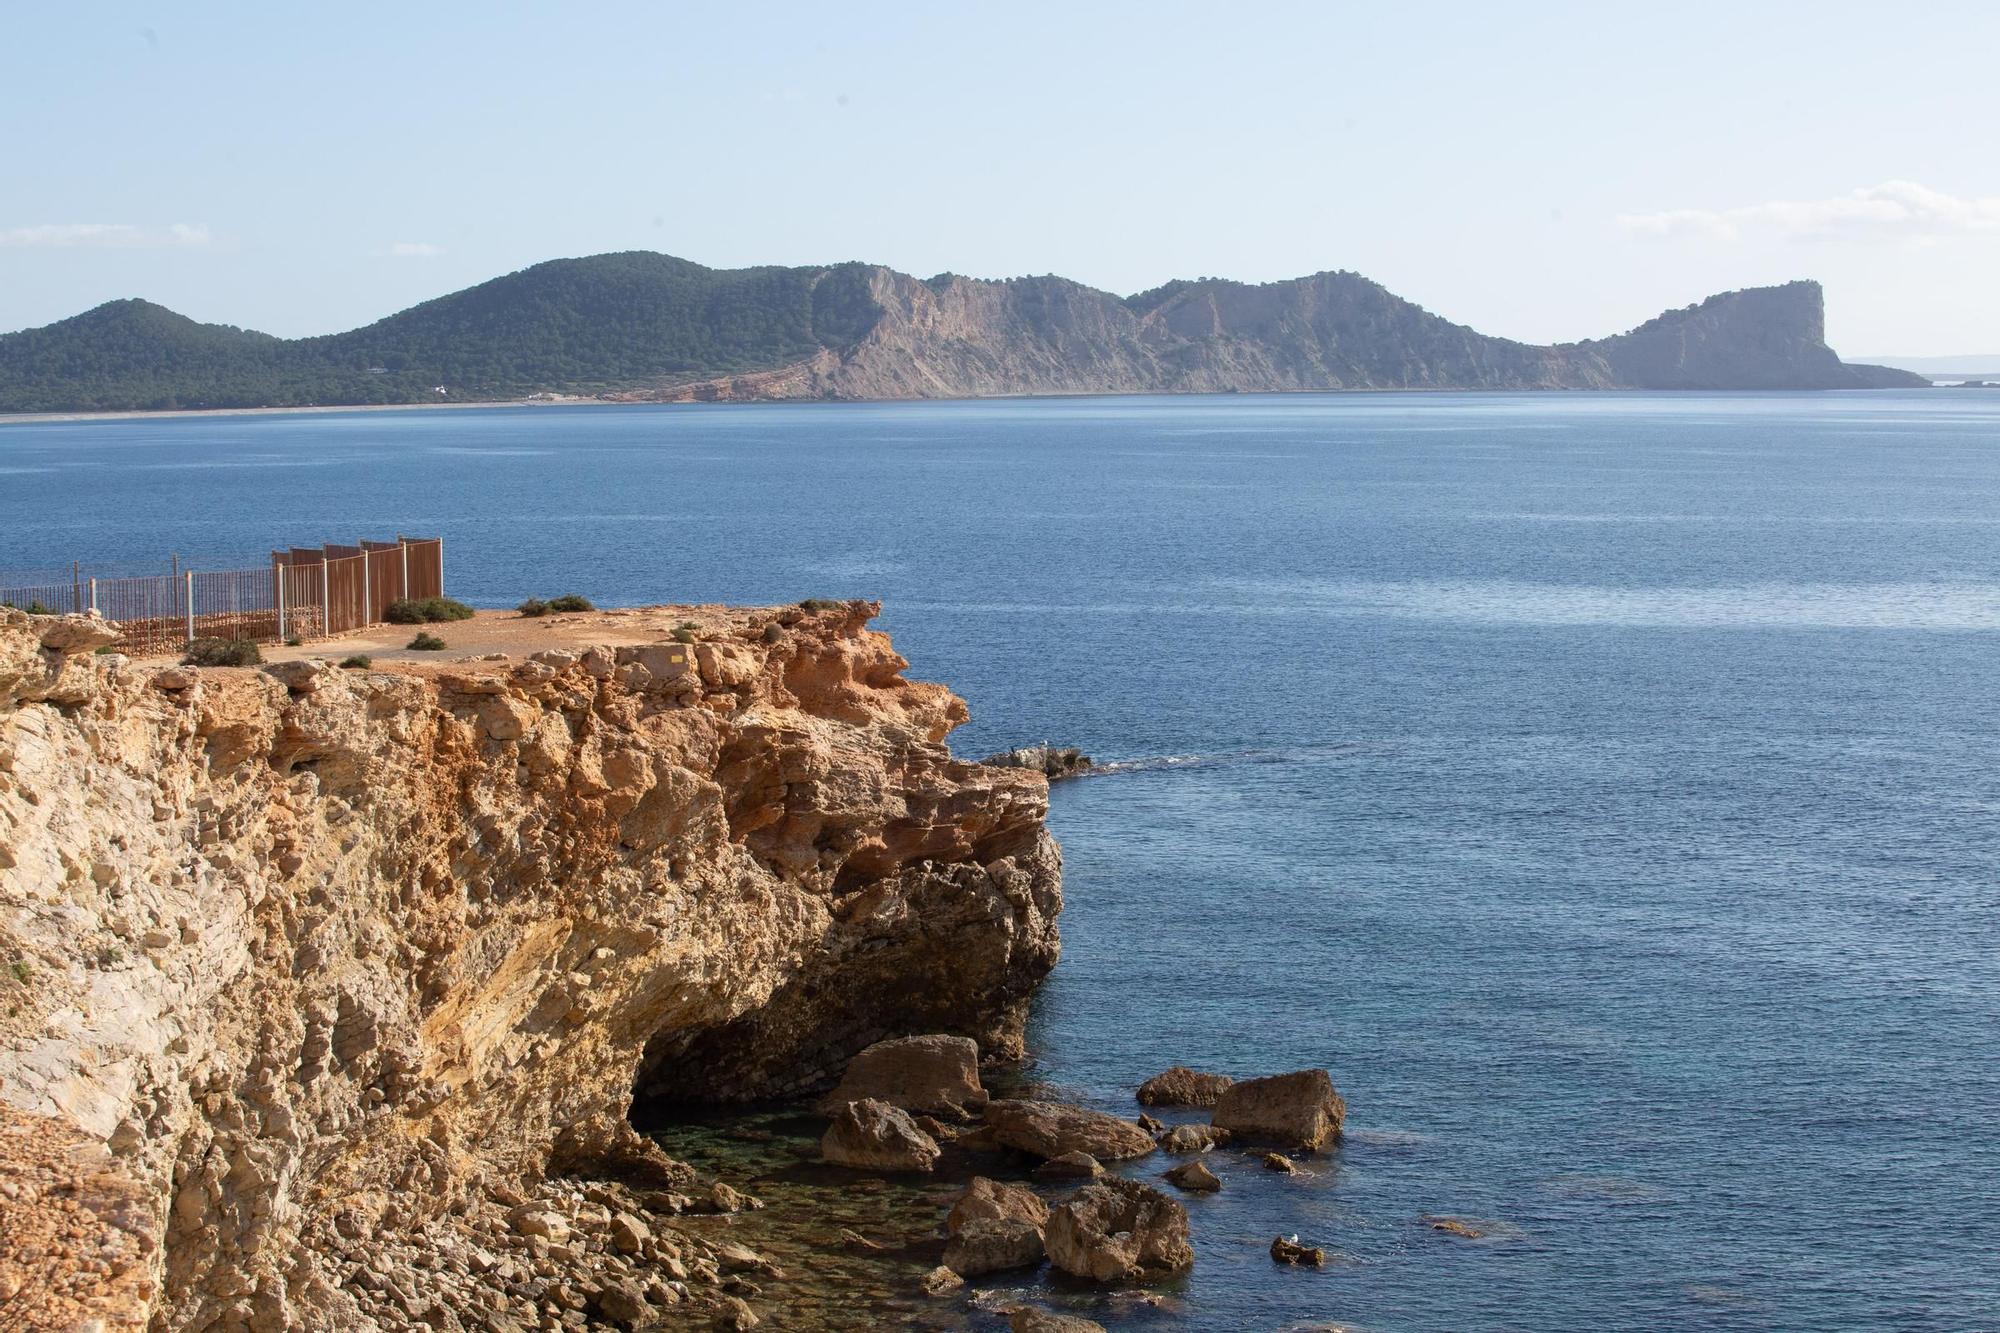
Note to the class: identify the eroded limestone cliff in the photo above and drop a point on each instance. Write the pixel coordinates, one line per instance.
(319, 962)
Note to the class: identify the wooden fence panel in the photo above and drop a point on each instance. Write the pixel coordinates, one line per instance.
(426, 561)
(385, 576)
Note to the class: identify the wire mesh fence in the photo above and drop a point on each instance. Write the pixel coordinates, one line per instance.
(306, 593)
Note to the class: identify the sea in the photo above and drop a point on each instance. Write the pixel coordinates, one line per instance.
(1602, 786)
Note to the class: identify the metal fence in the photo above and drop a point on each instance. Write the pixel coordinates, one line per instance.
(307, 593)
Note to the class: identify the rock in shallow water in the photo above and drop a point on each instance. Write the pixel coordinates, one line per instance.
(1119, 1230)
(993, 1246)
(1050, 1129)
(1298, 1111)
(875, 1136)
(1193, 1138)
(1070, 1166)
(1181, 1086)
(987, 1200)
(1194, 1176)
(936, 1074)
(1288, 1250)
(1031, 1319)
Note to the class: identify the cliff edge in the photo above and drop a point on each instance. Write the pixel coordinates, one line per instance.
(329, 973)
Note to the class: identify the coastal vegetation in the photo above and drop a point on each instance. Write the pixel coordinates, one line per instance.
(425, 610)
(535, 606)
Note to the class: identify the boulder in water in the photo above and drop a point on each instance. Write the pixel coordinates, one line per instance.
(1195, 1177)
(1181, 1086)
(875, 1136)
(1288, 1250)
(987, 1200)
(1050, 1129)
(993, 1245)
(1298, 1111)
(1193, 1138)
(1118, 1230)
(936, 1074)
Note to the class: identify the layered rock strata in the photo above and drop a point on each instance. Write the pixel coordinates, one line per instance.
(344, 969)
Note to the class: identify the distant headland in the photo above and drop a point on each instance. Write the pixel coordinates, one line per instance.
(646, 327)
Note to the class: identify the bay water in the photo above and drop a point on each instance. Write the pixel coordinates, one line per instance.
(1601, 786)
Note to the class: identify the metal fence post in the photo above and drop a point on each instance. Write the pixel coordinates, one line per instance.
(93, 597)
(367, 607)
(404, 547)
(190, 605)
(279, 570)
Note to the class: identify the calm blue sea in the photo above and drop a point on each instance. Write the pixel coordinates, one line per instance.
(1604, 787)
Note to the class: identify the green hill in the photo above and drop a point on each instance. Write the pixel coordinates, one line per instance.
(571, 325)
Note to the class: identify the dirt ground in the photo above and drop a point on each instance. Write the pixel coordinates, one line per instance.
(512, 634)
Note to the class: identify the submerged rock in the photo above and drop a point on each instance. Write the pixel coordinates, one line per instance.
(1299, 1111)
(1455, 1227)
(1181, 1086)
(1033, 1319)
(875, 1136)
(935, 1074)
(1050, 1129)
(1119, 1230)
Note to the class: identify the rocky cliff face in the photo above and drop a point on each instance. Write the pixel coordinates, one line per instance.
(321, 963)
(956, 337)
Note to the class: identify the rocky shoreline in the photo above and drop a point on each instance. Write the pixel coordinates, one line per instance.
(347, 978)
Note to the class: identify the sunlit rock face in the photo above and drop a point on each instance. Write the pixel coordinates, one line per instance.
(323, 957)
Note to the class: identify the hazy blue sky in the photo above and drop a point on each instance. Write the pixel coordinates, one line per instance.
(1539, 170)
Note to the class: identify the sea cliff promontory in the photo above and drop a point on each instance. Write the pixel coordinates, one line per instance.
(327, 992)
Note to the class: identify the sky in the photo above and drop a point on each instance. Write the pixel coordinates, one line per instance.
(1543, 170)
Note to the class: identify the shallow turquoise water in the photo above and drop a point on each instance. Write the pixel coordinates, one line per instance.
(1602, 786)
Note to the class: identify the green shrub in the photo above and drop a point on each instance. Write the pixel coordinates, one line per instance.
(427, 643)
(295, 642)
(425, 611)
(820, 604)
(22, 970)
(33, 608)
(358, 662)
(570, 601)
(534, 606)
(683, 635)
(106, 649)
(221, 652)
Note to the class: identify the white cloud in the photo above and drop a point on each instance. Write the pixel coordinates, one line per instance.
(414, 250)
(106, 235)
(1899, 210)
